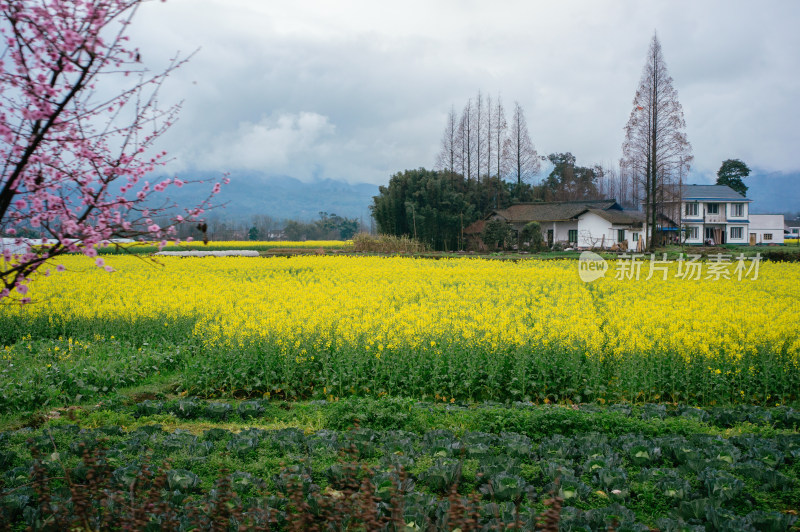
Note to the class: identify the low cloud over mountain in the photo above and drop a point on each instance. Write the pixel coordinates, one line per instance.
(281, 197)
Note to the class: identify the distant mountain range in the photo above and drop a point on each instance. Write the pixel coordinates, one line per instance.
(286, 198)
(281, 197)
(774, 193)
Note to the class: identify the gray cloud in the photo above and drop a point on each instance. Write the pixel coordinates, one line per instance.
(358, 90)
(272, 142)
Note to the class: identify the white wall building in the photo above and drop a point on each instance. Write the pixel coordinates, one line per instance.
(604, 228)
(714, 214)
(583, 224)
(766, 229)
(791, 229)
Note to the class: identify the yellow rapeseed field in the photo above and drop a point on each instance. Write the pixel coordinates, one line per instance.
(465, 327)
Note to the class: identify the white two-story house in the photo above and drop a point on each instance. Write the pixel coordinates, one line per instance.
(714, 214)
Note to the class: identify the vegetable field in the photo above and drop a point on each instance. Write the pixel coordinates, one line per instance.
(418, 466)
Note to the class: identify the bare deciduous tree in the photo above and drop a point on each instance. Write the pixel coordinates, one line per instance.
(656, 152)
(466, 140)
(479, 116)
(488, 128)
(475, 144)
(523, 159)
(448, 155)
(500, 132)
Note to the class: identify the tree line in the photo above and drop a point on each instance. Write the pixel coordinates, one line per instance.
(263, 227)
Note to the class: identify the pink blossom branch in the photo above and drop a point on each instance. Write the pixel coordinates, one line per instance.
(63, 148)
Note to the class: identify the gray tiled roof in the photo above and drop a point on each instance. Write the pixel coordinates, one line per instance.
(710, 192)
(619, 217)
(552, 211)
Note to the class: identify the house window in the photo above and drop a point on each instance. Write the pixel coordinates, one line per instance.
(691, 209)
(620, 235)
(573, 236)
(767, 236)
(737, 210)
(736, 233)
(712, 208)
(635, 237)
(691, 232)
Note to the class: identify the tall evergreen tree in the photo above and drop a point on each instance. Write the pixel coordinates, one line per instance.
(731, 174)
(431, 206)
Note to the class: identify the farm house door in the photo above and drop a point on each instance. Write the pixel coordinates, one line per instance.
(716, 234)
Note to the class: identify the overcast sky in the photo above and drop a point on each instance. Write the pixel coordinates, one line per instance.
(359, 90)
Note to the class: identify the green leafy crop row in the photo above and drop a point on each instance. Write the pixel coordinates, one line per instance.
(642, 466)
